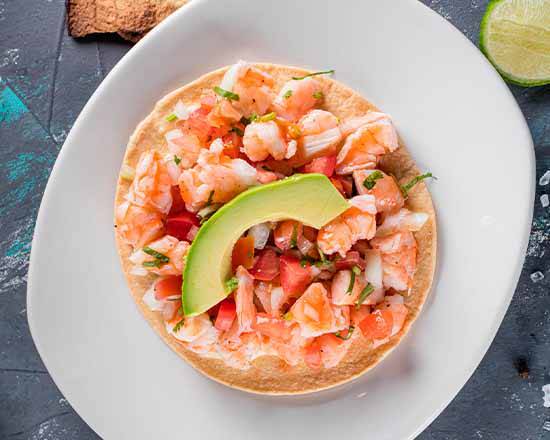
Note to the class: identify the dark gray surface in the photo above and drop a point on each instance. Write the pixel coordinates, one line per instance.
(45, 80)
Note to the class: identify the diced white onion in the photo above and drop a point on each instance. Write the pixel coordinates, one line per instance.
(216, 146)
(373, 268)
(232, 74)
(260, 234)
(173, 134)
(150, 300)
(139, 271)
(181, 111)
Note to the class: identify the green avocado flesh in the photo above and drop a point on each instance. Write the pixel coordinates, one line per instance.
(308, 198)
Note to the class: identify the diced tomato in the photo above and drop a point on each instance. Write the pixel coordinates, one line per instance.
(178, 204)
(294, 277)
(353, 258)
(312, 354)
(243, 253)
(377, 325)
(277, 166)
(343, 184)
(323, 165)
(272, 327)
(357, 316)
(226, 315)
(310, 233)
(168, 287)
(179, 225)
(266, 266)
(347, 184)
(286, 234)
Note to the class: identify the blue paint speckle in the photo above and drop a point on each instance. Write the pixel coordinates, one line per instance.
(11, 107)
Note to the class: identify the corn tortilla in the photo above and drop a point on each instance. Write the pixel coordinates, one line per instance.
(269, 374)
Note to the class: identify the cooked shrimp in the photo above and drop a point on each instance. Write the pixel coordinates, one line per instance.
(333, 349)
(394, 304)
(192, 328)
(364, 146)
(313, 311)
(319, 136)
(216, 178)
(162, 257)
(252, 86)
(262, 139)
(138, 226)
(296, 98)
(350, 125)
(185, 146)
(357, 223)
(244, 300)
(402, 220)
(386, 191)
(398, 259)
(223, 114)
(151, 187)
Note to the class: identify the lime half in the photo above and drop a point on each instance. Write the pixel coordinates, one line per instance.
(515, 36)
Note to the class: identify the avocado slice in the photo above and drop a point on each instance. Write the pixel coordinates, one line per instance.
(308, 198)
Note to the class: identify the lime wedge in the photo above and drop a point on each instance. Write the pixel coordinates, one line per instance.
(515, 36)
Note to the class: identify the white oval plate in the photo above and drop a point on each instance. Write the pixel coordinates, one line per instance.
(453, 112)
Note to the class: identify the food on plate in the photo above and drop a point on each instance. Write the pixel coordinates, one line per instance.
(273, 230)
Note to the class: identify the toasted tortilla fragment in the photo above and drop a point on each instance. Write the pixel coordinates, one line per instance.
(131, 19)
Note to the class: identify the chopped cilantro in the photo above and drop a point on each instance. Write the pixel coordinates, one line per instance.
(324, 72)
(171, 117)
(370, 181)
(348, 334)
(287, 94)
(231, 284)
(363, 295)
(177, 159)
(319, 95)
(226, 94)
(406, 188)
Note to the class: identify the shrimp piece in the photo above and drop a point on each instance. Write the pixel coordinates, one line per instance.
(313, 311)
(186, 146)
(192, 329)
(394, 304)
(263, 292)
(350, 125)
(402, 220)
(356, 223)
(386, 191)
(152, 183)
(398, 253)
(364, 146)
(253, 87)
(223, 114)
(244, 300)
(216, 177)
(296, 98)
(138, 226)
(340, 293)
(333, 349)
(262, 139)
(320, 135)
(172, 251)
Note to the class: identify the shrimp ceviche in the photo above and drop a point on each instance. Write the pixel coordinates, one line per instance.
(281, 265)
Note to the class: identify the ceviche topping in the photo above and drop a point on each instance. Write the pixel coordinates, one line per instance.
(268, 225)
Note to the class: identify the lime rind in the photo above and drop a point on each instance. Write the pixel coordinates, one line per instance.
(483, 36)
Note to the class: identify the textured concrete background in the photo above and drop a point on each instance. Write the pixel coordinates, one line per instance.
(45, 80)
